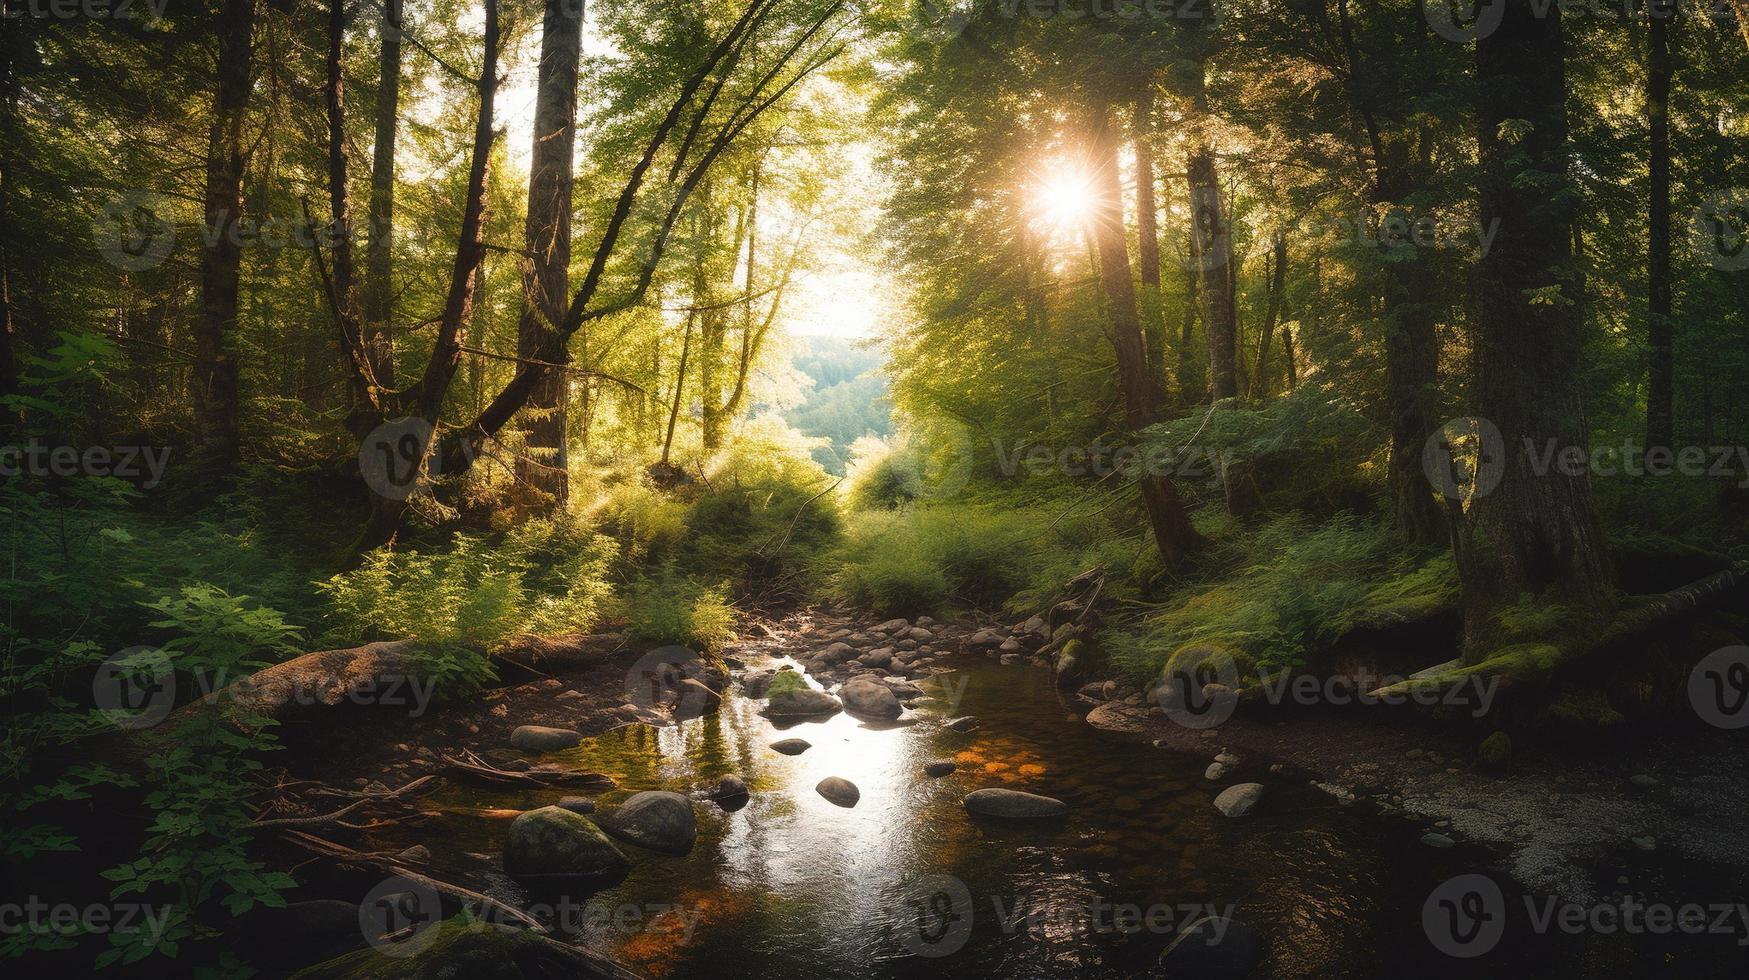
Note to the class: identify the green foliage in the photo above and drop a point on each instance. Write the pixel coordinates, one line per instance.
(542, 577)
(1495, 751)
(679, 612)
(883, 474)
(1292, 587)
(785, 680)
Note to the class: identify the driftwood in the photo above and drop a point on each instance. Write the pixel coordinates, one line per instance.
(388, 864)
(473, 769)
(396, 796)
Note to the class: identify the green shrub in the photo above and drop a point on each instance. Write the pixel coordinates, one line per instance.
(785, 680)
(682, 612)
(883, 474)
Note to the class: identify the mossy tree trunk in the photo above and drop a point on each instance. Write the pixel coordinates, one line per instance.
(1535, 533)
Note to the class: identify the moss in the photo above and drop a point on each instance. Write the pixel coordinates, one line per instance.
(785, 680)
(1212, 660)
(455, 947)
(1584, 709)
(1523, 662)
(1495, 751)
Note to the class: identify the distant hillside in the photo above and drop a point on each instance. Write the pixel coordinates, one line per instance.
(849, 400)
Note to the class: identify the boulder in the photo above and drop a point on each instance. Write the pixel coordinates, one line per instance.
(877, 658)
(801, 703)
(936, 770)
(1010, 804)
(792, 746)
(1237, 800)
(869, 698)
(539, 738)
(839, 792)
(552, 842)
(654, 819)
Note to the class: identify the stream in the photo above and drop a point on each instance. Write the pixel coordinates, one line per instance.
(792, 886)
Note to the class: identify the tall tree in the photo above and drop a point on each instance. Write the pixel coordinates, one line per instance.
(1660, 327)
(1148, 234)
(1535, 533)
(379, 261)
(215, 376)
(1174, 535)
(1213, 250)
(547, 243)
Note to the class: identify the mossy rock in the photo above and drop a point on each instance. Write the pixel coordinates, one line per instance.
(785, 680)
(1584, 710)
(1071, 663)
(460, 948)
(1495, 751)
(1212, 660)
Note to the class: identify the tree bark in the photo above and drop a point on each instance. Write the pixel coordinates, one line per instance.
(1660, 394)
(1148, 238)
(379, 262)
(1214, 249)
(1174, 535)
(545, 465)
(215, 376)
(1535, 533)
(1271, 314)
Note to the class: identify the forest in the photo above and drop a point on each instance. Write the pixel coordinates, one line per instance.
(874, 488)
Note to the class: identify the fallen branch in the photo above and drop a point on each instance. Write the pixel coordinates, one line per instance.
(477, 770)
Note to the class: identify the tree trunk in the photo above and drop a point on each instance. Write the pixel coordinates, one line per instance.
(1148, 238)
(1411, 380)
(1213, 251)
(216, 401)
(1271, 315)
(1535, 533)
(1174, 535)
(9, 150)
(544, 465)
(1660, 397)
(379, 286)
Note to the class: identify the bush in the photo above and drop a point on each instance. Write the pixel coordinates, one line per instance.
(664, 612)
(883, 474)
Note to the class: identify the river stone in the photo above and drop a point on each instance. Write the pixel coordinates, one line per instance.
(893, 626)
(792, 746)
(1439, 841)
(965, 724)
(577, 804)
(1013, 804)
(729, 787)
(902, 688)
(869, 698)
(877, 658)
(1215, 771)
(1237, 800)
(918, 634)
(552, 842)
(801, 703)
(656, 819)
(839, 792)
(753, 682)
(936, 770)
(837, 653)
(984, 640)
(539, 738)
(1208, 948)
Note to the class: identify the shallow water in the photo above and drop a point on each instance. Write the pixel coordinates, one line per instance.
(907, 884)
